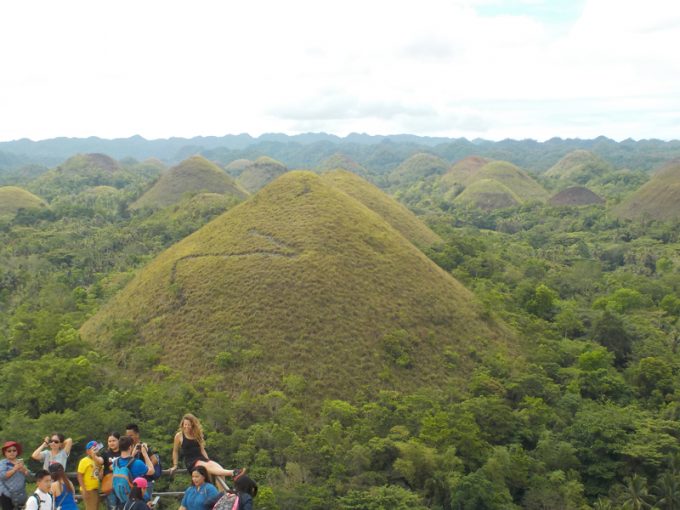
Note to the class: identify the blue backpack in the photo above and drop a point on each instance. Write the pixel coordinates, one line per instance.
(122, 479)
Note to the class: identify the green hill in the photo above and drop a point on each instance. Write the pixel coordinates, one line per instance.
(487, 194)
(236, 167)
(417, 167)
(339, 161)
(259, 173)
(462, 171)
(518, 181)
(302, 283)
(193, 175)
(575, 196)
(375, 199)
(13, 198)
(658, 198)
(579, 166)
(80, 172)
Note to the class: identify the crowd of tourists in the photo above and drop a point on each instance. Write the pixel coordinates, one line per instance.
(121, 476)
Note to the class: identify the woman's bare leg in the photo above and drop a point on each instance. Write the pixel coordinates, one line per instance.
(214, 468)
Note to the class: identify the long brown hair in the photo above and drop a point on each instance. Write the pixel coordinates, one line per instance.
(58, 475)
(196, 428)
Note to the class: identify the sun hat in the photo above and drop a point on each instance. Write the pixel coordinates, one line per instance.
(12, 443)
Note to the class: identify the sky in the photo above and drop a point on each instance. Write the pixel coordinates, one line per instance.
(489, 69)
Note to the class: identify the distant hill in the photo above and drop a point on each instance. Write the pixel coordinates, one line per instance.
(237, 166)
(396, 214)
(300, 282)
(195, 174)
(658, 198)
(462, 171)
(517, 180)
(488, 194)
(575, 196)
(13, 198)
(579, 166)
(417, 167)
(80, 172)
(339, 161)
(259, 173)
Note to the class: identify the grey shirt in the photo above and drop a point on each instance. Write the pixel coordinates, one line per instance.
(61, 457)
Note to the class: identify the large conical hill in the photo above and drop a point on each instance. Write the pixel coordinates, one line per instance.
(13, 198)
(393, 212)
(579, 166)
(417, 167)
(487, 194)
(193, 175)
(259, 173)
(463, 170)
(658, 198)
(299, 280)
(237, 166)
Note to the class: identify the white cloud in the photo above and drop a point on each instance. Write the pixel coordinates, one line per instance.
(80, 68)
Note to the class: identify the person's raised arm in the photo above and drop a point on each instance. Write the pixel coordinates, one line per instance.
(149, 465)
(68, 443)
(36, 455)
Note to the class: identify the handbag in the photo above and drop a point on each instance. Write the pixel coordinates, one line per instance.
(107, 483)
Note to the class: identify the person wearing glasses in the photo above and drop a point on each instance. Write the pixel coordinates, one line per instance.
(12, 477)
(53, 449)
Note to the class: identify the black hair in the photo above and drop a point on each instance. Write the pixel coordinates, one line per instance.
(203, 471)
(133, 427)
(246, 484)
(136, 493)
(124, 443)
(114, 434)
(61, 436)
(41, 473)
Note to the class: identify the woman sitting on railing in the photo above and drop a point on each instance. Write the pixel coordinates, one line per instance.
(189, 439)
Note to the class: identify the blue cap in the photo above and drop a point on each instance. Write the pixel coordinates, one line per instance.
(97, 446)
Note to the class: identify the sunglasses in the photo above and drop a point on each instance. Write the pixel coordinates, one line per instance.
(55, 441)
(11, 450)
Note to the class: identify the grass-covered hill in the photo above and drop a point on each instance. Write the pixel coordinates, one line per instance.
(575, 196)
(417, 167)
(396, 214)
(13, 198)
(515, 179)
(463, 170)
(193, 175)
(658, 198)
(259, 173)
(342, 162)
(299, 285)
(78, 173)
(579, 166)
(487, 194)
(237, 166)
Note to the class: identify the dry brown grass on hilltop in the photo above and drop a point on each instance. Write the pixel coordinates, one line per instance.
(303, 280)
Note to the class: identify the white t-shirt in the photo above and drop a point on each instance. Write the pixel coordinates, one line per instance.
(46, 501)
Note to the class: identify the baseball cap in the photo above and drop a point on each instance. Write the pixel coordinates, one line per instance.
(140, 482)
(97, 446)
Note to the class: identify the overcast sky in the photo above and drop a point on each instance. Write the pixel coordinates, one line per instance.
(476, 68)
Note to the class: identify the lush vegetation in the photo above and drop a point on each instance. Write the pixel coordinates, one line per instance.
(560, 390)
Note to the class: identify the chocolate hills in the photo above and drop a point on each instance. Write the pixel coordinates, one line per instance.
(339, 161)
(462, 171)
(417, 167)
(13, 198)
(487, 194)
(575, 196)
(237, 166)
(259, 173)
(193, 175)
(301, 280)
(396, 214)
(579, 166)
(658, 198)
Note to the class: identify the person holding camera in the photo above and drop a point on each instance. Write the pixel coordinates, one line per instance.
(126, 468)
(12, 477)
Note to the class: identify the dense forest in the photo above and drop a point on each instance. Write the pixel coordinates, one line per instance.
(574, 405)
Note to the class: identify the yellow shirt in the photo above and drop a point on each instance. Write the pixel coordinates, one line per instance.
(88, 469)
